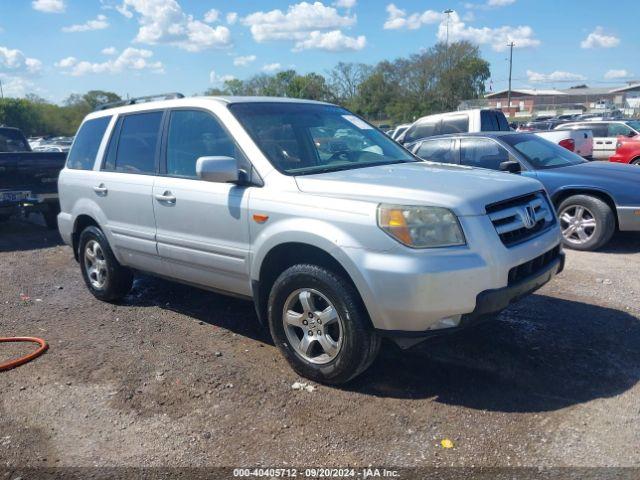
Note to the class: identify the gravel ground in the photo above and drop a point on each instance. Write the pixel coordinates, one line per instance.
(176, 376)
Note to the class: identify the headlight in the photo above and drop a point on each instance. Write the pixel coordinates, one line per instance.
(421, 227)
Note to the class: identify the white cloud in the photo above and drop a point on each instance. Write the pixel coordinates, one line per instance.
(232, 18)
(218, 80)
(500, 3)
(14, 61)
(334, 41)
(164, 22)
(598, 38)
(310, 25)
(212, 16)
(345, 3)
(557, 76)
(109, 51)
(244, 61)
(271, 67)
(131, 59)
(399, 19)
(99, 23)
(523, 36)
(49, 6)
(618, 74)
(16, 86)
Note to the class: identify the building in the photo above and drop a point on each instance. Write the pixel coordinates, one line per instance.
(582, 99)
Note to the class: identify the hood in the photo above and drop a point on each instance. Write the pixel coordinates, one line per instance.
(603, 172)
(464, 190)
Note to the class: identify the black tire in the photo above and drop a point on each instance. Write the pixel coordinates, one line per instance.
(51, 218)
(119, 279)
(605, 222)
(360, 344)
(636, 161)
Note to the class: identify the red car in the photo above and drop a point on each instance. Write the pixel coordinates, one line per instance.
(627, 151)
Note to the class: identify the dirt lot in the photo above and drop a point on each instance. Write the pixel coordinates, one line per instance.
(180, 377)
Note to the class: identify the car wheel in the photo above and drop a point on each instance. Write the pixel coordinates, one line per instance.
(587, 222)
(102, 273)
(636, 161)
(320, 325)
(51, 218)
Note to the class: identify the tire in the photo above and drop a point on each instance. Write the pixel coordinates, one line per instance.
(114, 281)
(51, 218)
(356, 344)
(596, 214)
(636, 161)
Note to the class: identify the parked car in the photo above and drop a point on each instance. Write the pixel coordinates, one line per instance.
(606, 133)
(399, 130)
(627, 151)
(592, 198)
(28, 180)
(574, 140)
(541, 125)
(337, 247)
(478, 120)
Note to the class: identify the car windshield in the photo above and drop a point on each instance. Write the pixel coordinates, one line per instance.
(635, 124)
(540, 153)
(303, 138)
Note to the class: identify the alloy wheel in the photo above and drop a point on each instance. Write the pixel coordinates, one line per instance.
(578, 224)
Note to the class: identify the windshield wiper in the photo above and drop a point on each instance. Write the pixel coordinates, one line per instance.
(351, 166)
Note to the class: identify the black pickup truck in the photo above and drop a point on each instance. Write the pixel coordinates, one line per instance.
(28, 180)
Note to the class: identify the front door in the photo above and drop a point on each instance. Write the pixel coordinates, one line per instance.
(202, 227)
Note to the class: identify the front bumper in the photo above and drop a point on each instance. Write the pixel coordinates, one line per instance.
(629, 219)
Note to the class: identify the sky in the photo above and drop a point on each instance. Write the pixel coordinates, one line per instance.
(54, 48)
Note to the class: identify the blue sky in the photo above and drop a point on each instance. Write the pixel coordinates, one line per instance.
(57, 47)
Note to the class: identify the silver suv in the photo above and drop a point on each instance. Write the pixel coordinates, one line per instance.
(338, 234)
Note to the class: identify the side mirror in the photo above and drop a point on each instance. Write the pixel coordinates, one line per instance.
(510, 166)
(217, 169)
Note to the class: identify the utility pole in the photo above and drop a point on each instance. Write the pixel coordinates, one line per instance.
(1, 92)
(511, 45)
(448, 12)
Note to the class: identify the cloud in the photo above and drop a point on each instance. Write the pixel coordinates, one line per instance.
(345, 3)
(212, 16)
(310, 25)
(271, 67)
(109, 51)
(244, 61)
(557, 76)
(232, 18)
(618, 74)
(500, 3)
(16, 62)
(99, 23)
(334, 41)
(16, 86)
(598, 39)
(398, 18)
(523, 36)
(131, 59)
(49, 6)
(218, 80)
(164, 22)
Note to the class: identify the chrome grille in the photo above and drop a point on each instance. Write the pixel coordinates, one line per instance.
(519, 219)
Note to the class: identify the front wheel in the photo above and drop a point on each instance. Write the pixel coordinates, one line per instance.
(587, 222)
(318, 322)
(106, 279)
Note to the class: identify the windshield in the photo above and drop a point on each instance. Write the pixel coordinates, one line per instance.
(540, 153)
(635, 124)
(12, 141)
(301, 138)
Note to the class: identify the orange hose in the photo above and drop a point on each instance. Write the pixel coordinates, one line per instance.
(27, 358)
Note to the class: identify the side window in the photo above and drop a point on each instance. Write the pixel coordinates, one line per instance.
(437, 151)
(455, 124)
(194, 134)
(136, 144)
(616, 129)
(422, 130)
(87, 142)
(598, 129)
(482, 152)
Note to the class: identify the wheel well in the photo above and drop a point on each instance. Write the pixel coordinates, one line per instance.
(634, 160)
(82, 222)
(284, 256)
(562, 196)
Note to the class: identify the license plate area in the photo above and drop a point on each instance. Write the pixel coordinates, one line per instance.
(12, 197)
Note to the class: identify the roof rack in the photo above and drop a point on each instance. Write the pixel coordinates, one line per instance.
(134, 101)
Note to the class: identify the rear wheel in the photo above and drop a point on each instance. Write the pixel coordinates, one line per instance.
(106, 279)
(587, 222)
(318, 322)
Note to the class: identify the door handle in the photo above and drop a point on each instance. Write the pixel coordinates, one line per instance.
(101, 190)
(166, 197)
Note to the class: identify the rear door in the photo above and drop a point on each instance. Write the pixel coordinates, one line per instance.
(202, 227)
(123, 188)
(602, 144)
